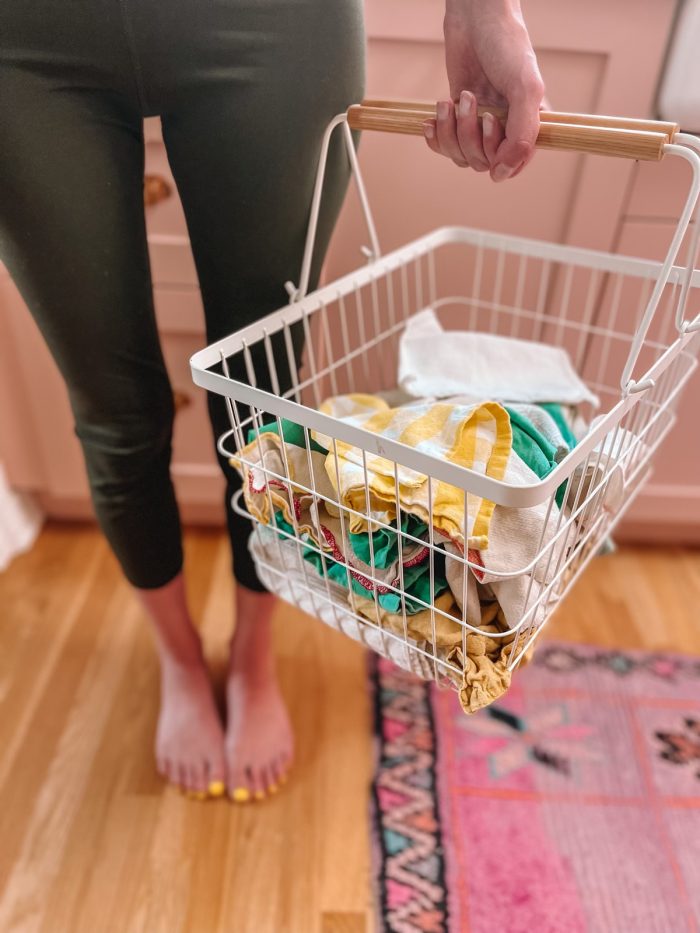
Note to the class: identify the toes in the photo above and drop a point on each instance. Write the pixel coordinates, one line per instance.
(259, 782)
(198, 779)
(182, 776)
(239, 789)
(283, 766)
(215, 778)
(216, 788)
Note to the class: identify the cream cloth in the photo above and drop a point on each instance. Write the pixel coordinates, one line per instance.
(474, 436)
(438, 363)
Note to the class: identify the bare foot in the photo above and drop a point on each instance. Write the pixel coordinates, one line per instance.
(259, 745)
(190, 737)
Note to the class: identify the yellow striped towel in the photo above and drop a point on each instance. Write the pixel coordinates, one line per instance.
(474, 436)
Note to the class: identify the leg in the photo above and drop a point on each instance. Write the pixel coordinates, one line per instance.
(243, 147)
(72, 235)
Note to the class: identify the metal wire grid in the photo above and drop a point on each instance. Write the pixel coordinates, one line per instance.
(587, 302)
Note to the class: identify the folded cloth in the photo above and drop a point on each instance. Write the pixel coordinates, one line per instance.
(346, 556)
(277, 564)
(292, 433)
(539, 425)
(343, 567)
(511, 567)
(482, 676)
(474, 436)
(438, 363)
(275, 474)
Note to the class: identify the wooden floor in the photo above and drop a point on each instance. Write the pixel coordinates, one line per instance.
(90, 839)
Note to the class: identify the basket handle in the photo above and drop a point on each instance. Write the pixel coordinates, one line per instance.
(546, 116)
(611, 136)
(617, 140)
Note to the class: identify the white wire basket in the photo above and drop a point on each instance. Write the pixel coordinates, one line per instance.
(376, 535)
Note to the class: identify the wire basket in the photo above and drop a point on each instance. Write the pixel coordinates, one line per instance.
(382, 535)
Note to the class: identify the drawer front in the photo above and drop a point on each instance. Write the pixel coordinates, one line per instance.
(671, 500)
(171, 256)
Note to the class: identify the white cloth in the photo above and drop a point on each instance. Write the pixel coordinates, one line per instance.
(516, 537)
(438, 363)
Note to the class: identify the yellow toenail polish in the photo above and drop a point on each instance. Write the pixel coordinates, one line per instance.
(259, 795)
(240, 795)
(217, 788)
(195, 795)
(284, 778)
(273, 789)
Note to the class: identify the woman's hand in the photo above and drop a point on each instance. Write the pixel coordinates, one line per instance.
(490, 62)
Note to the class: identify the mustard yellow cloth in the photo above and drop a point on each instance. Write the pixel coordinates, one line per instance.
(484, 673)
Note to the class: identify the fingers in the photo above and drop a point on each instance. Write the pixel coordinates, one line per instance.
(522, 127)
(469, 133)
(460, 135)
(493, 136)
(456, 133)
(447, 133)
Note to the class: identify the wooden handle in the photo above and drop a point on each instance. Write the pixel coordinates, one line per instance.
(547, 116)
(610, 138)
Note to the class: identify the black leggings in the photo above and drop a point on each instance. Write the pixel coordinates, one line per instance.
(244, 89)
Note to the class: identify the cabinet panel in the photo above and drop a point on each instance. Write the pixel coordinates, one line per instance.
(40, 450)
(671, 499)
(659, 189)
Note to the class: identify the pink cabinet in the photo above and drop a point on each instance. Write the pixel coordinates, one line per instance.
(37, 443)
(668, 508)
(598, 56)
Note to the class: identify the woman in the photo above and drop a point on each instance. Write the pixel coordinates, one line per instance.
(244, 89)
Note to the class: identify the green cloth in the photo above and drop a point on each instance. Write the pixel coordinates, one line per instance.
(530, 445)
(557, 415)
(292, 433)
(385, 542)
(416, 579)
(534, 449)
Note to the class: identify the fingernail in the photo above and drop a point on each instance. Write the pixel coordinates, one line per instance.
(259, 795)
(501, 172)
(217, 788)
(429, 130)
(273, 789)
(240, 795)
(443, 110)
(466, 102)
(488, 123)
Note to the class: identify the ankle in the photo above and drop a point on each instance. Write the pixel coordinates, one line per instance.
(184, 658)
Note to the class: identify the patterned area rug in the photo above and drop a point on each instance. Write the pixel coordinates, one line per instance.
(573, 805)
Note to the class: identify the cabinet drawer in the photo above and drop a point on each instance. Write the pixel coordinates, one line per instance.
(672, 498)
(171, 256)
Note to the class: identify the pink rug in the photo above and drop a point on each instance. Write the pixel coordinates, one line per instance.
(573, 805)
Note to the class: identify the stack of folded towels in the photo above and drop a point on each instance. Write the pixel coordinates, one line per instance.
(364, 524)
